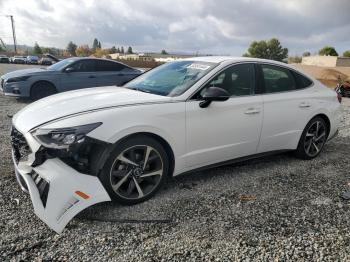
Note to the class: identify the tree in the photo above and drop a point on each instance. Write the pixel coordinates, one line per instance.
(37, 50)
(99, 45)
(307, 53)
(122, 50)
(118, 50)
(129, 50)
(113, 50)
(71, 47)
(346, 53)
(83, 50)
(95, 44)
(164, 52)
(271, 49)
(99, 52)
(328, 51)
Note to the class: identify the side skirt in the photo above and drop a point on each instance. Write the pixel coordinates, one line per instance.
(237, 160)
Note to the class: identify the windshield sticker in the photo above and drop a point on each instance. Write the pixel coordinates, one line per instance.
(198, 66)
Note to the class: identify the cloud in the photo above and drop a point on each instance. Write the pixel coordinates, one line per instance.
(221, 27)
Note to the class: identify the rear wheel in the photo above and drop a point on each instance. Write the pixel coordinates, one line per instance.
(42, 89)
(312, 139)
(135, 170)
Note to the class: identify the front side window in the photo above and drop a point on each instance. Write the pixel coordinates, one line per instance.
(171, 79)
(277, 79)
(84, 66)
(238, 80)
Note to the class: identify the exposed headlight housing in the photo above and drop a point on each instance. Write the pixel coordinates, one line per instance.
(62, 138)
(17, 79)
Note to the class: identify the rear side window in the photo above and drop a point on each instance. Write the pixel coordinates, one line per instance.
(109, 66)
(277, 79)
(302, 81)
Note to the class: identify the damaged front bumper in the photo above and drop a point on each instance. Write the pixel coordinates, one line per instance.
(58, 191)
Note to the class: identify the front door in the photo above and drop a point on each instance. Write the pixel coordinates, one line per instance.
(83, 75)
(229, 129)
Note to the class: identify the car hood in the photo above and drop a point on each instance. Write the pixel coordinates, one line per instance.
(79, 101)
(25, 72)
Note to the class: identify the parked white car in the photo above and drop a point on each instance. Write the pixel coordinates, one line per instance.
(78, 148)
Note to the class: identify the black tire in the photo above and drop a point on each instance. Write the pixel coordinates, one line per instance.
(130, 187)
(42, 89)
(342, 91)
(312, 140)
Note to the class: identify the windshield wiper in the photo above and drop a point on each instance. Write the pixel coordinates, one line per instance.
(139, 89)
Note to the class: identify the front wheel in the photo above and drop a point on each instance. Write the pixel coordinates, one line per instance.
(312, 139)
(42, 89)
(135, 170)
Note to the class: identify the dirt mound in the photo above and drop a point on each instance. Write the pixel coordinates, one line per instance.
(333, 74)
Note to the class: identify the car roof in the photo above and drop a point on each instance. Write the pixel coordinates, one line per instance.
(233, 59)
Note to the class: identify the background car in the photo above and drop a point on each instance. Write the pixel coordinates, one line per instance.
(45, 61)
(121, 144)
(32, 59)
(4, 59)
(18, 60)
(66, 75)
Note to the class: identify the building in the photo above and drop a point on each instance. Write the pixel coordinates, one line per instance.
(139, 57)
(326, 61)
(160, 58)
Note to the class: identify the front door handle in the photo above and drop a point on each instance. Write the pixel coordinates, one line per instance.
(252, 111)
(91, 76)
(304, 104)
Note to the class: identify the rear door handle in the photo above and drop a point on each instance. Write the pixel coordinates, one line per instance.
(252, 111)
(304, 104)
(91, 76)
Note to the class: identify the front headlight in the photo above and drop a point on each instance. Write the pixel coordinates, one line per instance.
(17, 79)
(62, 138)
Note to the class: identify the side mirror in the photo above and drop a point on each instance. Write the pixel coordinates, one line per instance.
(69, 70)
(213, 94)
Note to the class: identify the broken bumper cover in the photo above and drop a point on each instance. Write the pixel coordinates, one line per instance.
(58, 192)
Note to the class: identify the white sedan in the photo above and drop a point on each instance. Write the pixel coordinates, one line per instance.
(78, 148)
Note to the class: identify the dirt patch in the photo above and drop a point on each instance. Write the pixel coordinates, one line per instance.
(327, 75)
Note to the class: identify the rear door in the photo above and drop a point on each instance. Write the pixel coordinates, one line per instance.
(82, 76)
(287, 104)
(110, 73)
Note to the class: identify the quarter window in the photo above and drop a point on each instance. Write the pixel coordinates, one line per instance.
(238, 80)
(277, 79)
(302, 81)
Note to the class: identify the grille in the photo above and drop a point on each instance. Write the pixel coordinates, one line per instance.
(42, 185)
(19, 144)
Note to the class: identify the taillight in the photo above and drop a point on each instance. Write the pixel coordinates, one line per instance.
(339, 97)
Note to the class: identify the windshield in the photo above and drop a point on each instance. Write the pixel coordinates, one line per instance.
(61, 64)
(171, 79)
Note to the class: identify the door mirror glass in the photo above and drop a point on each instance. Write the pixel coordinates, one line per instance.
(213, 94)
(69, 70)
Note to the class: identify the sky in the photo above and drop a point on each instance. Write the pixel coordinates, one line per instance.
(222, 27)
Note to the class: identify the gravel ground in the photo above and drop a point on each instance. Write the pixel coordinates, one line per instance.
(274, 208)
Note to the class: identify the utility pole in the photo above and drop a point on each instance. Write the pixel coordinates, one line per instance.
(13, 32)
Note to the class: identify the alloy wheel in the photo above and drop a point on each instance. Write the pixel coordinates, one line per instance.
(315, 138)
(136, 172)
